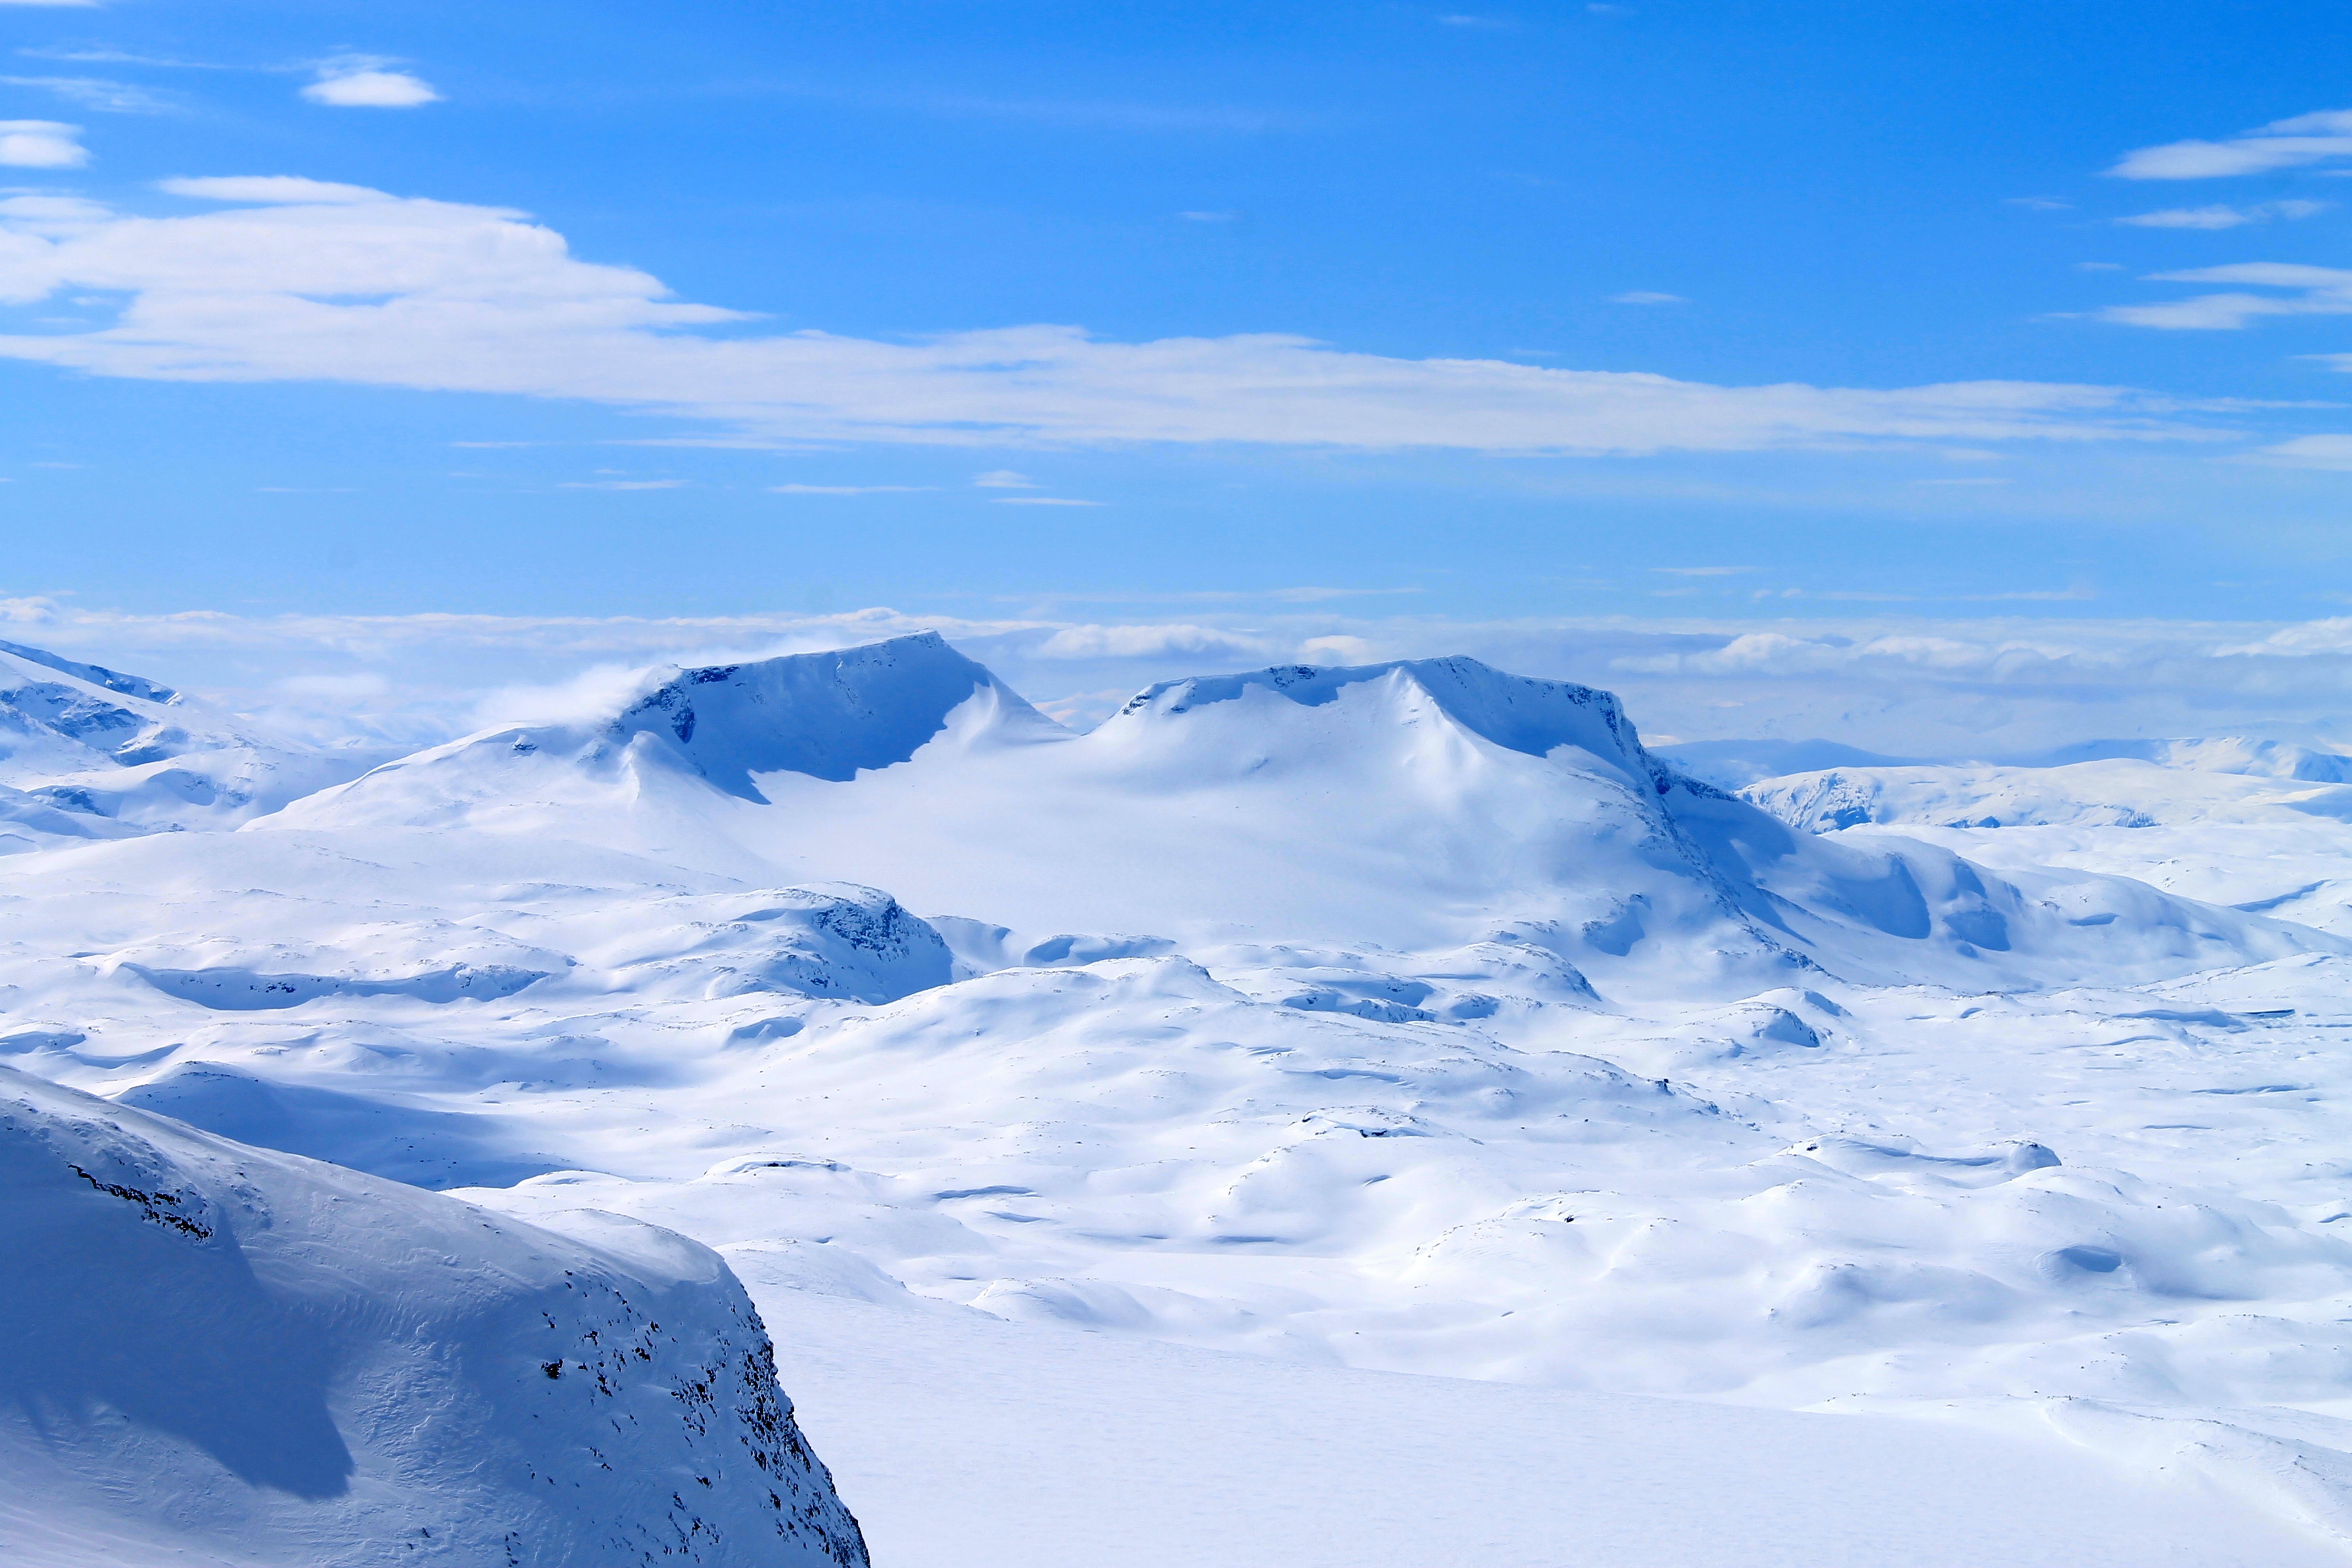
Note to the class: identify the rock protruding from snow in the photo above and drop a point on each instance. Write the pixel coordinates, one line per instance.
(221, 1353)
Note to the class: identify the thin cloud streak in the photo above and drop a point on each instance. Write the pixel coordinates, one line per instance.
(299, 280)
(95, 92)
(2301, 141)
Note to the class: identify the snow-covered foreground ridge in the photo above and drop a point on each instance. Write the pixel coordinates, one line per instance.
(217, 1349)
(1414, 1016)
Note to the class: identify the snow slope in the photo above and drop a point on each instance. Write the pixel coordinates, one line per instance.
(1425, 803)
(982, 1444)
(1413, 1017)
(222, 1354)
(2257, 826)
(87, 752)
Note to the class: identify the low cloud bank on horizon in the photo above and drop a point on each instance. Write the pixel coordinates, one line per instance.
(1917, 686)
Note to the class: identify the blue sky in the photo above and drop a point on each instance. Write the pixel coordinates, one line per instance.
(1027, 310)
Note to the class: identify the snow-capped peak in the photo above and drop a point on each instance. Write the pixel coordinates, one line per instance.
(827, 715)
(1518, 712)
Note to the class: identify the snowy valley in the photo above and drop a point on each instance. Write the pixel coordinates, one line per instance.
(1101, 1123)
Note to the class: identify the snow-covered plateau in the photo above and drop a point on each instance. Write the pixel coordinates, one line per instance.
(1316, 1116)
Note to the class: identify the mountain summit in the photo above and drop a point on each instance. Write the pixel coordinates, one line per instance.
(1421, 802)
(828, 715)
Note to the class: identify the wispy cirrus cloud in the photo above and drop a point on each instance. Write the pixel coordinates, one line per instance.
(847, 489)
(2302, 290)
(287, 278)
(2223, 216)
(2305, 139)
(96, 94)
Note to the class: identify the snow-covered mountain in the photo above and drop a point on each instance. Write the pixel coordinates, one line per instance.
(91, 753)
(217, 1353)
(1413, 1016)
(1419, 804)
(2108, 792)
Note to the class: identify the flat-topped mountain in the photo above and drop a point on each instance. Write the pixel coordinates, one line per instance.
(1414, 803)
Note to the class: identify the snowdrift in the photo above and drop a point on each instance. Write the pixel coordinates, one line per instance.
(223, 1354)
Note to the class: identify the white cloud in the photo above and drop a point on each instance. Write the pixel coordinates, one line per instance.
(847, 489)
(2280, 145)
(41, 145)
(1702, 571)
(1335, 649)
(352, 687)
(1150, 642)
(278, 190)
(1645, 297)
(2333, 452)
(1042, 500)
(95, 92)
(299, 280)
(2222, 217)
(2312, 292)
(82, 5)
(1208, 216)
(622, 485)
(1004, 480)
(370, 88)
(1905, 684)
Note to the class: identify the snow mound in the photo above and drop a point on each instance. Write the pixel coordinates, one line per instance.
(232, 1355)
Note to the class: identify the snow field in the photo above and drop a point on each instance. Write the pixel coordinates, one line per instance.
(1410, 1019)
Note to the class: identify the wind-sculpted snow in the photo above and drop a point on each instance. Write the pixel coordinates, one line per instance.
(1410, 1016)
(215, 1349)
